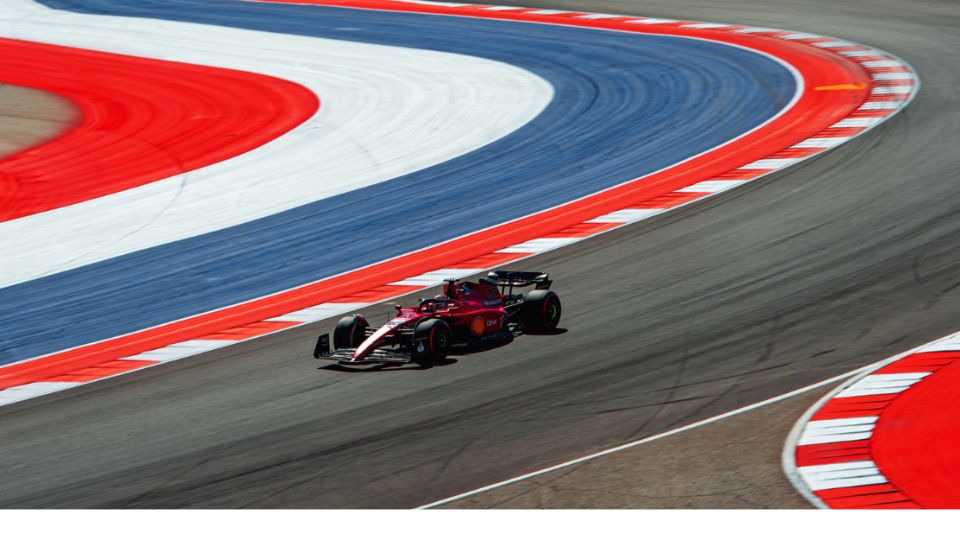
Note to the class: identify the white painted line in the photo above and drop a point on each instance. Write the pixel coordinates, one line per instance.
(646, 440)
(895, 76)
(771, 164)
(628, 215)
(437, 277)
(651, 21)
(857, 122)
(891, 90)
(838, 475)
(712, 186)
(880, 105)
(32, 390)
(833, 44)
(539, 245)
(838, 430)
(887, 383)
(318, 312)
(800, 35)
(821, 142)
(181, 350)
(881, 63)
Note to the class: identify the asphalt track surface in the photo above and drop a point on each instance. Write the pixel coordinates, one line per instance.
(840, 262)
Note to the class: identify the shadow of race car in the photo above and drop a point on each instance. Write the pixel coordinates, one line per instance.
(467, 316)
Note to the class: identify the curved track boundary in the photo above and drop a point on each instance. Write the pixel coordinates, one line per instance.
(885, 438)
(849, 88)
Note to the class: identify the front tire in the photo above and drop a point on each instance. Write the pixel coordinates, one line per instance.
(350, 332)
(431, 342)
(540, 311)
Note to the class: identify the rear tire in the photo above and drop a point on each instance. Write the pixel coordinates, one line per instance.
(350, 332)
(431, 342)
(540, 311)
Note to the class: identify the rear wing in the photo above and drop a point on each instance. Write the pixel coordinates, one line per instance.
(510, 279)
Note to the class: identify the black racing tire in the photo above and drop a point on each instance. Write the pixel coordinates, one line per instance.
(540, 311)
(431, 342)
(350, 332)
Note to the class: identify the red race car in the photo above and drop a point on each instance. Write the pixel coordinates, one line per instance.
(467, 316)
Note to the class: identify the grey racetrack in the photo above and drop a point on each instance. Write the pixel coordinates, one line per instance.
(842, 261)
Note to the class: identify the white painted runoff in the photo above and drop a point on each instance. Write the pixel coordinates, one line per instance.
(385, 112)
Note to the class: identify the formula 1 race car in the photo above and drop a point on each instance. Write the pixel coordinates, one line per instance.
(467, 316)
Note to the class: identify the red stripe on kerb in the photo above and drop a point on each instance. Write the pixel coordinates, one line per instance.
(853, 407)
(840, 452)
(142, 120)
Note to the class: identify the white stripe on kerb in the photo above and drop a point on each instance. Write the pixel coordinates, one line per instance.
(833, 44)
(821, 142)
(881, 63)
(628, 215)
(651, 21)
(600, 16)
(765, 164)
(891, 90)
(712, 186)
(887, 383)
(539, 245)
(706, 25)
(318, 312)
(838, 430)
(548, 12)
(182, 350)
(854, 54)
(895, 76)
(857, 122)
(437, 277)
(32, 390)
(799, 35)
(838, 475)
(756, 30)
(500, 8)
(880, 105)
(951, 343)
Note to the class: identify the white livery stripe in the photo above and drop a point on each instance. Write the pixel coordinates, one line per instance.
(437, 276)
(628, 215)
(838, 430)
(771, 163)
(500, 8)
(539, 245)
(181, 350)
(839, 475)
(318, 312)
(888, 383)
(32, 390)
(712, 186)
(547, 12)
